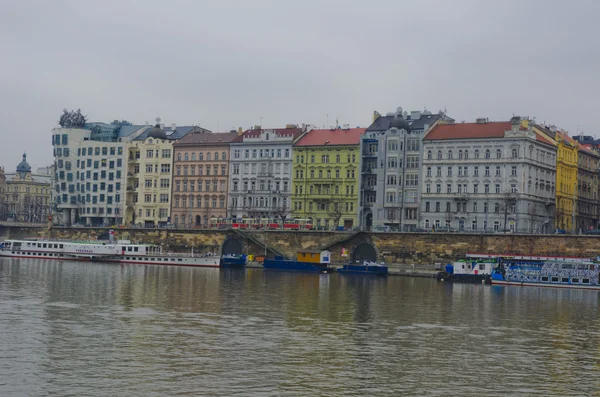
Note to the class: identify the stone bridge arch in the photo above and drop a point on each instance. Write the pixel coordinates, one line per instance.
(232, 246)
(364, 251)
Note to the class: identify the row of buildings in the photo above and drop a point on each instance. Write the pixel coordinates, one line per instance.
(410, 171)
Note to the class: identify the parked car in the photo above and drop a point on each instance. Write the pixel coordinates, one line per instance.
(381, 229)
(446, 229)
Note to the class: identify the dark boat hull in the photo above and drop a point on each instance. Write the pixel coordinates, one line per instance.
(364, 270)
(295, 266)
(233, 263)
(462, 278)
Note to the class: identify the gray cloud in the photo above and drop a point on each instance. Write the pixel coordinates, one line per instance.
(229, 63)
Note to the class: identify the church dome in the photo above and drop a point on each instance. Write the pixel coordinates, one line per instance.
(157, 132)
(24, 165)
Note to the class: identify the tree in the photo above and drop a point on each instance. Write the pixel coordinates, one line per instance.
(282, 210)
(71, 119)
(335, 210)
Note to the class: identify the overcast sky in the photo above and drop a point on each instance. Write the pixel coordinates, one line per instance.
(224, 64)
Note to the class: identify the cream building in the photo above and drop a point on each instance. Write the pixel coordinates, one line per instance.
(26, 195)
(149, 175)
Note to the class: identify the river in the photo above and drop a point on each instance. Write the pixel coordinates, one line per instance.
(93, 329)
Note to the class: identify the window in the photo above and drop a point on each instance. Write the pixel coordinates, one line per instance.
(429, 155)
(498, 172)
(497, 188)
(438, 171)
(438, 188)
(429, 171)
(498, 153)
(428, 188)
(412, 180)
(449, 171)
(475, 188)
(487, 153)
(513, 170)
(487, 170)
(515, 153)
(485, 207)
(439, 155)
(450, 154)
(437, 206)
(412, 162)
(449, 188)
(513, 188)
(486, 188)
(391, 179)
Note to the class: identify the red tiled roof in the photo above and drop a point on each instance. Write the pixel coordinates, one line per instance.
(210, 138)
(332, 137)
(469, 131)
(295, 132)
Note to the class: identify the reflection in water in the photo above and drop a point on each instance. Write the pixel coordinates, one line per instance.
(102, 329)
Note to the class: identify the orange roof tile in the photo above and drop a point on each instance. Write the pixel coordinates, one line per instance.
(469, 131)
(332, 137)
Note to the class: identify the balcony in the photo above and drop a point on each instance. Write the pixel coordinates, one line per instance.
(368, 170)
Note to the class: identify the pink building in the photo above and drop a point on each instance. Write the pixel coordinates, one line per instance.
(200, 178)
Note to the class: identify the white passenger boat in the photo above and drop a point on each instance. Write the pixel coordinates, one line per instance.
(103, 251)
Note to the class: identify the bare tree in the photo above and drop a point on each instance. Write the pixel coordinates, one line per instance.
(335, 210)
(281, 211)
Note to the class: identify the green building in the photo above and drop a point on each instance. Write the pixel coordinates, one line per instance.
(325, 177)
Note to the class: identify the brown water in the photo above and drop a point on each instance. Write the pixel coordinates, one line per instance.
(87, 329)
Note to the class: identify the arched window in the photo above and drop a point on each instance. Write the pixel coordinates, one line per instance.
(515, 153)
(186, 157)
(208, 156)
(439, 155)
(429, 155)
(466, 154)
(193, 156)
(201, 156)
(476, 153)
(460, 154)
(487, 153)
(223, 156)
(178, 156)
(176, 219)
(216, 155)
(450, 154)
(498, 153)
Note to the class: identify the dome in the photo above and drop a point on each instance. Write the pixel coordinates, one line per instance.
(157, 132)
(23, 165)
(399, 123)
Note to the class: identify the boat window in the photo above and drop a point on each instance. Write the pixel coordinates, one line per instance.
(180, 260)
(585, 281)
(575, 280)
(582, 267)
(555, 279)
(567, 266)
(544, 278)
(61, 246)
(135, 249)
(564, 280)
(482, 267)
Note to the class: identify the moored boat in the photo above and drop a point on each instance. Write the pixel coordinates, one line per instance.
(472, 269)
(121, 252)
(557, 272)
(233, 261)
(306, 261)
(366, 268)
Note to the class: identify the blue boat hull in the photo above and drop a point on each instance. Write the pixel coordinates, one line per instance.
(463, 278)
(368, 270)
(233, 262)
(295, 266)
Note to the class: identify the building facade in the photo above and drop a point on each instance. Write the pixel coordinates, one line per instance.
(326, 175)
(567, 160)
(488, 176)
(26, 195)
(588, 170)
(201, 178)
(392, 155)
(3, 198)
(261, 173)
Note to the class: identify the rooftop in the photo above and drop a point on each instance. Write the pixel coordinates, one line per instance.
(280, 132)
(207, 138)
(335, 137)
(176, 134)
(487, 130)
(382, 123)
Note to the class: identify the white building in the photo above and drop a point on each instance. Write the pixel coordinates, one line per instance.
(260, 180)
(488, 176)
(90, 172)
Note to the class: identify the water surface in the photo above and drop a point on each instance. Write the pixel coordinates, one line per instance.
(75, 329)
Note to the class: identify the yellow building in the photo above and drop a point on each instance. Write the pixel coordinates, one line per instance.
(149, 164)
(26, 195)
(567, 158)
(325, 177)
